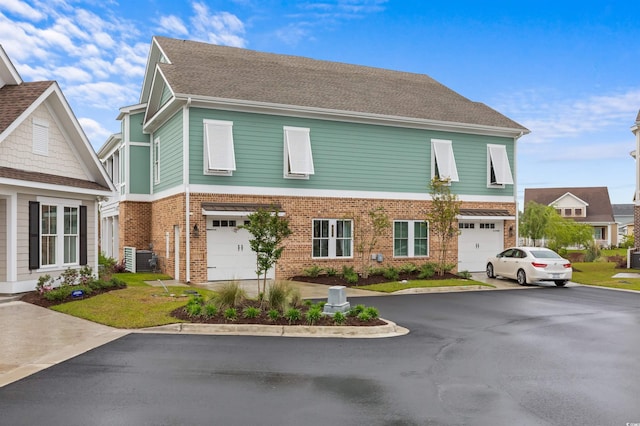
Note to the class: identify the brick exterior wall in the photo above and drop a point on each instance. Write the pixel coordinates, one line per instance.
(159, 218)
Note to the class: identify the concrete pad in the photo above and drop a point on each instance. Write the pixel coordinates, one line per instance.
(627, 275)
(35, 338)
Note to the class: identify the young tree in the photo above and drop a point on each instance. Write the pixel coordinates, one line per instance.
(269, 231)
(535, 220)
(442, 218)
(370, 230)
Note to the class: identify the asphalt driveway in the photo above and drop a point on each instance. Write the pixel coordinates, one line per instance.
(552, 356)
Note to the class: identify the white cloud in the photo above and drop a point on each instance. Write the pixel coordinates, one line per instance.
(173, 24)
(93, 129)
(21, 8)
(71, 75)
(220, 28)
(102, 95)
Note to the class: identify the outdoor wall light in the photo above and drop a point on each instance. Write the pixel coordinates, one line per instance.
(510, 230)
(196, 232)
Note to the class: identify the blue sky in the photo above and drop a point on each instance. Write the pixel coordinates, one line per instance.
(567, 70)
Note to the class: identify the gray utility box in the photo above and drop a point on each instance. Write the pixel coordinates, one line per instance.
(635, 260)
(143, 263)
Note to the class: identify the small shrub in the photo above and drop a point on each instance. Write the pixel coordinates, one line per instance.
(231, 314)
(356, 310)
(349, 274)
(391, 274)
(364, 316)
(273, 314)
(592, 252)
(308, 303)
(120, 268)
(251, 312)
(45, 284)
(69, 277)
(193, 309)
(278, 294)
(332, 272)
(372, 312)
(292, 315)
(427, 271)
(85, 275)
(339, 318)
(320, 304)
(313, 315)
(231, 295)
(295, 298)
(312, 271)
(408, 268)
(210, 310)
(376, 271)
(464, 274)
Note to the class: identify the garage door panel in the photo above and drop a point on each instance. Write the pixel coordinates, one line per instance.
(478, 241)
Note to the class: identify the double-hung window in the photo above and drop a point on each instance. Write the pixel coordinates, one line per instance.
(332, 238)
(218, 148)
(57, 233)
(498, 168)
(443, 163)
(298, 159)
(410, 238)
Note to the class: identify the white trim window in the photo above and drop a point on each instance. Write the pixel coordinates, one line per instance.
(298, 158)
(443, 162)
(71, 235)
(410, 238)
(40, 137)
(219, 154)
(156, 160)
(332, 238)
(59, 233)
(498, 168)
(48, 234)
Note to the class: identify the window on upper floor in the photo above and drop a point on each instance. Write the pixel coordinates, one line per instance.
(40, 137)
(219, 154)
(410, 238)
(577, 212)
(498, 168)
(443, 163)
(156, 160)
(332, 238)
(567, 212)
(298, 159)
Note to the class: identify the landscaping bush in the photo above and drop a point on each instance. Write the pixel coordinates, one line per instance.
(292, 315)
(391, 273)
(349, 274)
(313, 315)
(230, 295)
(427, 271)
(312, 271)
(339, 318)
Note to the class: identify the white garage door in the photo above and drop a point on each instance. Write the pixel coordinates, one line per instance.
(477, 241)
(229, 255)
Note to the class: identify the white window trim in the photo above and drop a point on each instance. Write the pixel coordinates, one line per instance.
(221, 142)
(411, 239)
(60, 204)
(332, 239)
(442, 156)
(302, 154)
(156, 160)
(497, 156)
(40, 143)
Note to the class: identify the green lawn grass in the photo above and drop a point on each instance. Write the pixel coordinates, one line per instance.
(137, 306)
(390, 287)
(601, 274)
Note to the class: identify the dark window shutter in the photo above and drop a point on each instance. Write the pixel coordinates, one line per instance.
(34, 235)
(83, 235)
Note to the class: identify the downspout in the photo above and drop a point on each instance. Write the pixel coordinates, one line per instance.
(515, 185)
(185, 156)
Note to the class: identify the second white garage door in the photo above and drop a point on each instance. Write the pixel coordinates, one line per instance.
(477, 241)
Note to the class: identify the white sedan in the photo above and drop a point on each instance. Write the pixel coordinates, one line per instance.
(530, 264)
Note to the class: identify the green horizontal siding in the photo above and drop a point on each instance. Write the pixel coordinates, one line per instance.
(139, 169)
(171, 153)
(135, 128)
(346, 156)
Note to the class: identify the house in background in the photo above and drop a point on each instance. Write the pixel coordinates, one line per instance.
(221, 132)
(623, 214)
(50, 184)
(589, 205)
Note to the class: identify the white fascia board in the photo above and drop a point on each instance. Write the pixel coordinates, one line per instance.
(155, 52)
(155, 94)
(111, 145)
(8, 73)
(349, 116)
(40, 187)
(568, 194)
(131, 109)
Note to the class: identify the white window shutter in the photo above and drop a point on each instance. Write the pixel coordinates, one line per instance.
(298, 145)
(218, 137)
(445, 160)
(501, 167)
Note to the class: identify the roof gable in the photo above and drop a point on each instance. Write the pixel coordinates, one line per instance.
(8, 73)
(568, 198)
(597, 198)
(220, 73)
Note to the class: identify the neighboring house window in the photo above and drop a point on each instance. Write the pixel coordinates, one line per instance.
(410, 238)
(156, 160)
(218, 147)
(115, 178)
(567, 212)
(40, 137)
(443, 163)
(57, 233)
(498, 168)
(298, 159)
(598, 233)
(578, 212)
(332, 238)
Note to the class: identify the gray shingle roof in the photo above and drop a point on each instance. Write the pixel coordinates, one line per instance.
(15, 99)
(599, 209)
(209, 70)
(10, 173)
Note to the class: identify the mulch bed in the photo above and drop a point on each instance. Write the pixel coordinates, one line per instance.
(36, 298)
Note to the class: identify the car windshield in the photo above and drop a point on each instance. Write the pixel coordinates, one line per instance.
(545, 254)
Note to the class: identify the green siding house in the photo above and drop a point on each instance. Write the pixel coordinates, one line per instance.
(221, 132)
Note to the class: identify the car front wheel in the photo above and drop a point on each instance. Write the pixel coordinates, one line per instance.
(490, 273)
(521, 277)
(560, 283)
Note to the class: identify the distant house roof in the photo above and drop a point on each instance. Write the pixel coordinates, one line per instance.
(622, 209)
(15, 99)
(599, 209)
(210, 71)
